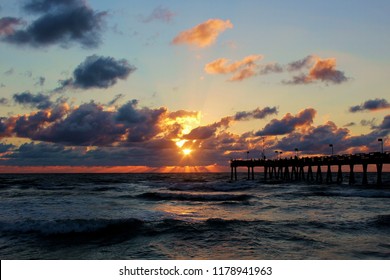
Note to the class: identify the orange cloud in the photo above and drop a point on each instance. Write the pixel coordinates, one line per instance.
(244, 74)
(242, 69)
(323, 70)
(204, 34)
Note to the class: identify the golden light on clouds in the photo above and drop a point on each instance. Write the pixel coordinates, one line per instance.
(204, 34)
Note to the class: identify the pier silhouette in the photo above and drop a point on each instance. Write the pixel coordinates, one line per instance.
(301, 169)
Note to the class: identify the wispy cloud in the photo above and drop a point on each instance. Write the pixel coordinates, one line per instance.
(4, 101)
(9, 72)
(40, 81)
(371, 123)
(160, 14)
(204, 34)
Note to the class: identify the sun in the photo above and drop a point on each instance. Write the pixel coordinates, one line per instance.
(187, 152)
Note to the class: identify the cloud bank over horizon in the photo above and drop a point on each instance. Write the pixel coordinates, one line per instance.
(61, 134)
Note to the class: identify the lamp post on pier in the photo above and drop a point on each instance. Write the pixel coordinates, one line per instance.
(381, 144)
(331, 147)
(263, 153)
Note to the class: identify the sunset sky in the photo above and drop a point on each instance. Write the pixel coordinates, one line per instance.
(117, 86)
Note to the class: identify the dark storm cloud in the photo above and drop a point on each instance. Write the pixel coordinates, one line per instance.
(46, 154)
(142, 124)
(201, 132)
(39, 101)
(255, 114)
(385, 125)
(59, 22)
(370, 140)
(371, 105)
(3, 127)
(34, 124)
(98, 72)
(42, 6)
(87, 125)
(5, 147)
(288, 123)
(208, 131)
(316, 140)
(53, 154)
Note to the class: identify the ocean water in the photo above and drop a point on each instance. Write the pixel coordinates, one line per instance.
(190, 216)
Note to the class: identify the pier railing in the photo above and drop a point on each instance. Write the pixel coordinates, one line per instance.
(302, 168)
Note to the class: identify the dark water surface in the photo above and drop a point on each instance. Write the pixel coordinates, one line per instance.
(189, 216)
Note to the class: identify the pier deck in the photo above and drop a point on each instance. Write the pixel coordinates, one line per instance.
(302, 168)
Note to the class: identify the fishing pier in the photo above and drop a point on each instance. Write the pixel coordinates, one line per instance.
(310, 169)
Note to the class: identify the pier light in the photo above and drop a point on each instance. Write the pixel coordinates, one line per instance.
(381, 144)
(247, 154)
(331, 147)
(262, 138)
(296, 152)
(277, 154)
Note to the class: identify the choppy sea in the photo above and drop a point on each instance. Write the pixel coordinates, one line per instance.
(190, 216)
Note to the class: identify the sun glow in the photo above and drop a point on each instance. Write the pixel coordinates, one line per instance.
(187, 152)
